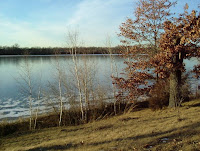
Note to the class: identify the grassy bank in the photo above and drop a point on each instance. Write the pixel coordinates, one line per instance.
(165, 129)
(70, 117)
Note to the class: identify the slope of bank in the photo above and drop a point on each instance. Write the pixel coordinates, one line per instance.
(166, 129)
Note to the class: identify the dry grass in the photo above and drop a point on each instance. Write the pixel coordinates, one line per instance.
(141, 130)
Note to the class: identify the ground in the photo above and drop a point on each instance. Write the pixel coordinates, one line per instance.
(166, 130)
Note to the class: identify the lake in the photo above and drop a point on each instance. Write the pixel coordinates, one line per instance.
(44, 74)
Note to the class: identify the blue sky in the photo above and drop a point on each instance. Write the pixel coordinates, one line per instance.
(45, 23)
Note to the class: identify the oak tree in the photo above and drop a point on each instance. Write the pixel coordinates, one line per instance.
(180, 40)
(141, 36)
(146, 28)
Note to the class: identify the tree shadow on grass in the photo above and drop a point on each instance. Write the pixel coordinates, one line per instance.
(55, 147)
(195, 105)
(178, 132)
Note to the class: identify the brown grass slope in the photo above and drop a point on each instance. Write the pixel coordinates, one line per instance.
(164, 130)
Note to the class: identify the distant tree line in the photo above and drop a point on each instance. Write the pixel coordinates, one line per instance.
(16, 50)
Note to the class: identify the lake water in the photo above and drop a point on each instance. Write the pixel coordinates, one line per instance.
(44, 74)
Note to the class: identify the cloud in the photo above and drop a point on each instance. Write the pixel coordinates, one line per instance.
(45, 1)
(47, 25)
(95, 10)
(27, 34)
(45, 22)
(97, 18)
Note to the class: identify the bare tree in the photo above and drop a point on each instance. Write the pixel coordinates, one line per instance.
(38, 98)
(87, 77)
(72, 40)
(57, 88)
(113, 67)
(60, 76)
(25, 82)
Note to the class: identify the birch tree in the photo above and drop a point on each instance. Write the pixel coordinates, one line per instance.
(73, 41)
(26, 84)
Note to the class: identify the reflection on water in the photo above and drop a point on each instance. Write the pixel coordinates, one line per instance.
(14, 103)
(11, 66)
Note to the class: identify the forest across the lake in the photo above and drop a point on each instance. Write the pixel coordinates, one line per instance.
(17, 50)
